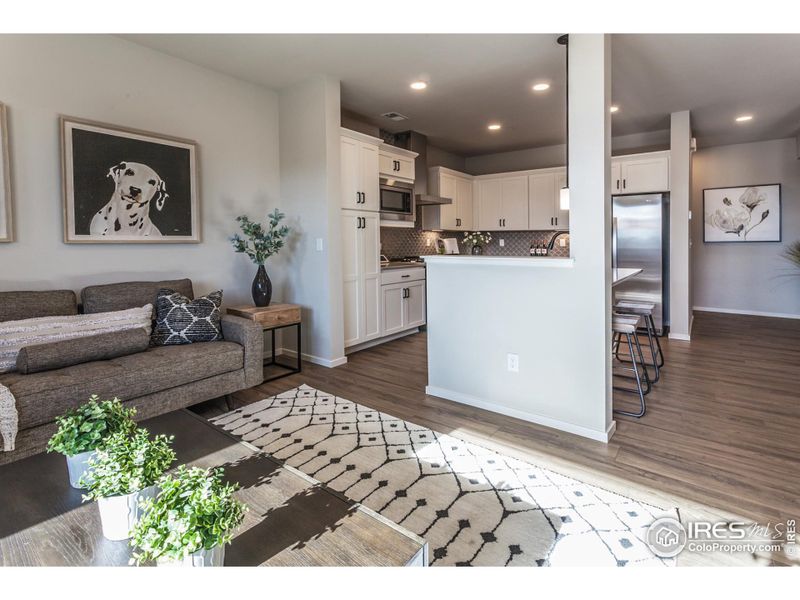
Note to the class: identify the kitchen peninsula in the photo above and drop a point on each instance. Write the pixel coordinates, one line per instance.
(505, 334)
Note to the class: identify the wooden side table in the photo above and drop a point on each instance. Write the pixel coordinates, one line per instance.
(271, 318)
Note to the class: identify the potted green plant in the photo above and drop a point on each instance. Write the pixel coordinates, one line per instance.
(261, 243)
(82, 430)
(190, 520)
(123, 473)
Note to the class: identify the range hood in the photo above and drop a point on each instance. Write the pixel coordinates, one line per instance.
(416, 142)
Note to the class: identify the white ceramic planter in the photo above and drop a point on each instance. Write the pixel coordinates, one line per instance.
(77, 465)
(119, 514)
(203, 558)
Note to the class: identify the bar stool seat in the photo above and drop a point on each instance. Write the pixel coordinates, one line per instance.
(645, 310)
(626, 325)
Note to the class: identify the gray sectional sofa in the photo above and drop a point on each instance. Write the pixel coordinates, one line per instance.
(158, 380)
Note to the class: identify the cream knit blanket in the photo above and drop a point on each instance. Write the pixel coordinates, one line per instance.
(8, 418)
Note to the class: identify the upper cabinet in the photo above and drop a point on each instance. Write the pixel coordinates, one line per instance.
(456, 216)
(397, 163)
(502, 203)
(640, 173)
(360, 167)
(544, 204)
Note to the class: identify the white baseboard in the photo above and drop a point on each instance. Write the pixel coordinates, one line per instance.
(592, 434)
(754, 313)
(381, 340)
(680, 336)
(323, 362)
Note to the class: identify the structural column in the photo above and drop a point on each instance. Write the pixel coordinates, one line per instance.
(680, 276)
(590, 209)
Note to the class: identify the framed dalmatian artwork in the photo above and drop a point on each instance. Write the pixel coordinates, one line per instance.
(127, 186)
(6, 221)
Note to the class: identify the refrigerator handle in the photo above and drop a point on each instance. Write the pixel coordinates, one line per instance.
(614, 243)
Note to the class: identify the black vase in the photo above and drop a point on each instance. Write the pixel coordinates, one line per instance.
(477, 250)
(262, 287)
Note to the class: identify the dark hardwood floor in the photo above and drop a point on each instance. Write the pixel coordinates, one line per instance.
(720, 439)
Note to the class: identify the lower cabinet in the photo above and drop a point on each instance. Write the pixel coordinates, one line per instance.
(402, 303)
(361, 272)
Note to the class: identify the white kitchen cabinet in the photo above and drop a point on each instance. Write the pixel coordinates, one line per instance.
(544, 200)
(403, 306)
(640, 173)
(396, 163)
(359, 171)
(456, 216)
(502, 203)
(361, 273)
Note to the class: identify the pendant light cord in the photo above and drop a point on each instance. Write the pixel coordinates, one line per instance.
(564, 41)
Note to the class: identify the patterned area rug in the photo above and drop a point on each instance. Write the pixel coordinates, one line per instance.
(472, 505)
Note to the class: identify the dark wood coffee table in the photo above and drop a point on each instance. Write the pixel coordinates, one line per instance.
(293, 520)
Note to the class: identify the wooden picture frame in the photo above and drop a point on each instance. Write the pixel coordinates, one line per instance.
(742, 214)
(128, 186)
(6, 197)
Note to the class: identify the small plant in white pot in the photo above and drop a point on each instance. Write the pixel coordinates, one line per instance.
(123, 473)
(82, 430)
(190, 520)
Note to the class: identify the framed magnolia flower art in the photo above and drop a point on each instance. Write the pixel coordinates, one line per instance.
(742, 214)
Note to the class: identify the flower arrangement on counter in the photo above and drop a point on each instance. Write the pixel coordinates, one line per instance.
(477, 240)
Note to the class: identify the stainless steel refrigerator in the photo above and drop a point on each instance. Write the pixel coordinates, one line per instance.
(641, 241)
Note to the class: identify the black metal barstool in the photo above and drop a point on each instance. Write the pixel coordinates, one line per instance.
(645, 311)
(626, 325)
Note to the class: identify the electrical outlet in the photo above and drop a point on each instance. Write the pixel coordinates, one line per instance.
(513, 363)
(562, 242)
(502, 243)
(428, 242)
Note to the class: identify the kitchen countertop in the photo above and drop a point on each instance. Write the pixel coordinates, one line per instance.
(402, 265)
(620, 275)
(505, 261)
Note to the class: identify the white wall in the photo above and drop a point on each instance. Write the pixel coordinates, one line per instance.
(108, 79)
(750, 278)
(310, 190)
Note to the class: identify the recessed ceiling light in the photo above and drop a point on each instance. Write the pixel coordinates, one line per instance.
(613, 109)
(743, 118)
(494, 126)
(419, 85)
(540, 87)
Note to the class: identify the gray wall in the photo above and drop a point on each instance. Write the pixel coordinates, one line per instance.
(108, 79)
(442, 158)
(554, 156)
(751, 278)
(310, 189)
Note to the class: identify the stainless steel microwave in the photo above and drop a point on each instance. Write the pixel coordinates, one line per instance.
(397, 200)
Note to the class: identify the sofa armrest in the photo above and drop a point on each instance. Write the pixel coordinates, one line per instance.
(250, 336)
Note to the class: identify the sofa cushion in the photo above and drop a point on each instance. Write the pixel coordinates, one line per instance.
(180, 320)
(43, 396)
(119, 296)
(104, 346)
(26, 305)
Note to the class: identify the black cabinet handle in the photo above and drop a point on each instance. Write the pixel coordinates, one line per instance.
(617, 183)
(458, 222)
(624, 183)
(363, 197)
(556, 220)
(551, 220)
(404, 276)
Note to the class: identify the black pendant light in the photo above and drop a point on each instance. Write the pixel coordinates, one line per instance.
(563, 197)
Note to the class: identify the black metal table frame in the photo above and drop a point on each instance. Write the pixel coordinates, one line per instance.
(273, 361)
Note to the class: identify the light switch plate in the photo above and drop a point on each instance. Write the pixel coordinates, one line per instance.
(513, 363)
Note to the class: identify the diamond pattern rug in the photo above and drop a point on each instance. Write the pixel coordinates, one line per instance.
(472, 505)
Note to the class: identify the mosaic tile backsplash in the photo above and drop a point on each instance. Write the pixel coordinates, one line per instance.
(397, 242)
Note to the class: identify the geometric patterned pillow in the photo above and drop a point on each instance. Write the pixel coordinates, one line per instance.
(183, 321)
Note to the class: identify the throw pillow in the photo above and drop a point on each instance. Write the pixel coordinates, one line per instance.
(15, 335)
(104, 346)
(183, 321)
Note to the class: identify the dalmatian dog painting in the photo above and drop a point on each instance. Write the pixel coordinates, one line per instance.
(136, 187)
(128, 186)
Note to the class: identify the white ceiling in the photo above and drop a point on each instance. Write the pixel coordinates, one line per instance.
(476, 78)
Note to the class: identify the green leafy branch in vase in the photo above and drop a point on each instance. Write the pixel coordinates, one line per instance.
(259, 243)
